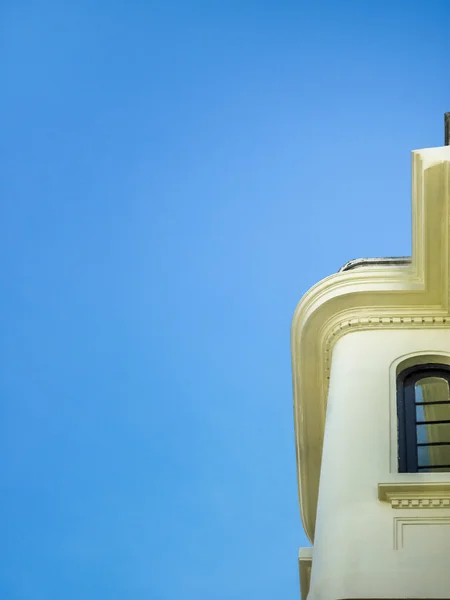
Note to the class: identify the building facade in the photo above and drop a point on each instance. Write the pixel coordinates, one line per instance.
(371, 373)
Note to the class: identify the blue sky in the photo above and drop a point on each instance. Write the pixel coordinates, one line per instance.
(175, 175)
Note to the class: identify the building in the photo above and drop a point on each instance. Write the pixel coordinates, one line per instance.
(371, 373)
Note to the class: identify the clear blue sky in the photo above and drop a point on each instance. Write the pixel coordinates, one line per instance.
(175, 175)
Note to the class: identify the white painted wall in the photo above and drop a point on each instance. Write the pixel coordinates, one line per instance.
(354, 554)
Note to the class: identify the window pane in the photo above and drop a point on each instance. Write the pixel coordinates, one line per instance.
(433, 455)
(432, 389)
(434, 412)
(434, 470)
(420, 415)
(423, 457)
(433, 433)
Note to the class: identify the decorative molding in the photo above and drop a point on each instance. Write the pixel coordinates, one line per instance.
(420, 502)
(364, 323)
(400, 523)
(429, 494)
(392, 296)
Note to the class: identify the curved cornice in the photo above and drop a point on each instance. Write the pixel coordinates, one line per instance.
(415, 294)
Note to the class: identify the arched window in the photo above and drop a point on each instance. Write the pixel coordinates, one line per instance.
(423, 405)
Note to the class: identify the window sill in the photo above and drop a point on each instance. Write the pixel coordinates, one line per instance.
(423, 494)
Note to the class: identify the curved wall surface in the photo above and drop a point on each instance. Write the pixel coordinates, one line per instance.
(379, 533)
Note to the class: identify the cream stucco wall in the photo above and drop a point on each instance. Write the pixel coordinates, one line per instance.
(365, 548)
(389, 297)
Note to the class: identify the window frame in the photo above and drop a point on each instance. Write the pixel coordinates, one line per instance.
(406, 414)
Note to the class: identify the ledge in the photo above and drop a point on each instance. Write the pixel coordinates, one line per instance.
(305, 565)
(422, 494)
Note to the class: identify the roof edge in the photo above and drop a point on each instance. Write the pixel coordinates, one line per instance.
(397, 261)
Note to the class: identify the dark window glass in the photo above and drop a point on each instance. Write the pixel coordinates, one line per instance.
(424, 419)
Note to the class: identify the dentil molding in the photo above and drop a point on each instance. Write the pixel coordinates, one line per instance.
(420, 494)
(365, 323)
